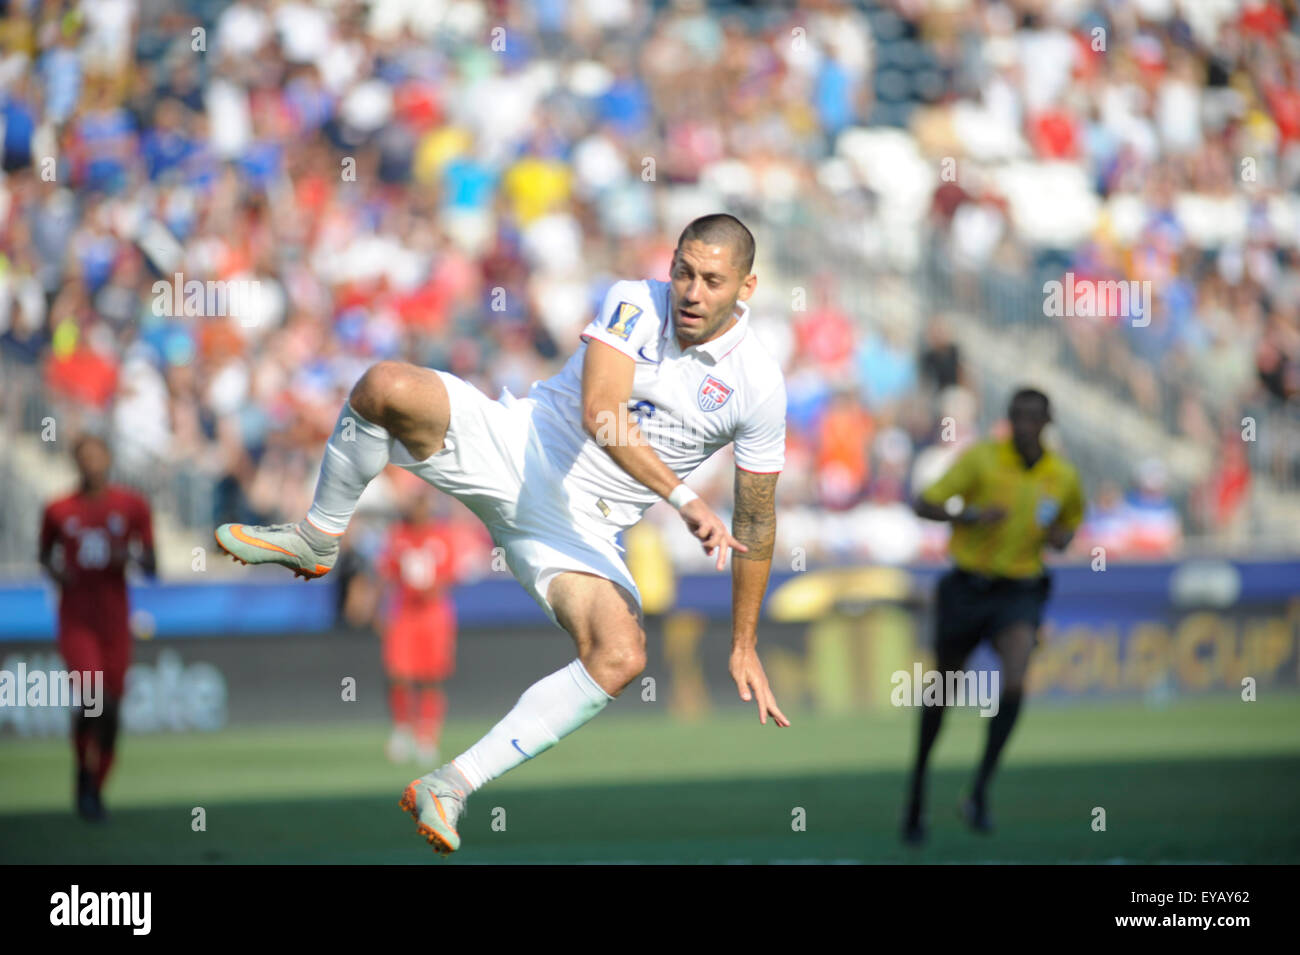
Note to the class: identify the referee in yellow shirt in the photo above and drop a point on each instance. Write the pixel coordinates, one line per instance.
(1017, 496)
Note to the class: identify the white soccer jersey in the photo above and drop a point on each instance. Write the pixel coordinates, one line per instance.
(687, 404)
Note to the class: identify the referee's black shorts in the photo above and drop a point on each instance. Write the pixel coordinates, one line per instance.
(970, 608)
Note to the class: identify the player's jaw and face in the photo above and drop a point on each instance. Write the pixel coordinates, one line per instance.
(706, 285)
(93, 461)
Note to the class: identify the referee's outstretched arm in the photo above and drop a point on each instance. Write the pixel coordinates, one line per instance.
(959, 480)
(967, 515)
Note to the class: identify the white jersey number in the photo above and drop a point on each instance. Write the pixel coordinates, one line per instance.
(92, 549)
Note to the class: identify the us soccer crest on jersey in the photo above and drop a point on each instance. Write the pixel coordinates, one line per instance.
(713, 393)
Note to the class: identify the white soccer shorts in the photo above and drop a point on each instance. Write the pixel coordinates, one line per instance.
(494, 462)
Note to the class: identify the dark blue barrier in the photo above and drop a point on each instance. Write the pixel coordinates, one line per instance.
(184, 610)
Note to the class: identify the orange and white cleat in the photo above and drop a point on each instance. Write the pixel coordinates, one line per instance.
(436, 804)
(282, 544)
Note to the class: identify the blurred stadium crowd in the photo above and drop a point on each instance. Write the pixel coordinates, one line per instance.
(457, 183)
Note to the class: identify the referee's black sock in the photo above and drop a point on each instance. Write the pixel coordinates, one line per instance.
(999, 730)
(931, 719)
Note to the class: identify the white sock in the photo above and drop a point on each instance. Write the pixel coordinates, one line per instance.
(357, 451)
(549, 710)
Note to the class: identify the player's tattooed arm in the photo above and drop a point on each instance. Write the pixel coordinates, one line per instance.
(753, 521)
(754, 525)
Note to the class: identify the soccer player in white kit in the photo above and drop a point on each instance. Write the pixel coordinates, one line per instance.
(667, 373)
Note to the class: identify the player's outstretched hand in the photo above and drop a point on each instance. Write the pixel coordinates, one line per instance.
(747, 671)
(710, 530)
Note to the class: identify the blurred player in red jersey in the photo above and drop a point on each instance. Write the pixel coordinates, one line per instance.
(86, 540)
(419, 630)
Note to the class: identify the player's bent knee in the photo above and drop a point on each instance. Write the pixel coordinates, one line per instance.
(626, 660)
(411, 402)
(391, 387)
(372, 393)
(616, 664)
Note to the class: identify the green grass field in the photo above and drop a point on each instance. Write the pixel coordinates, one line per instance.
(1205, 781)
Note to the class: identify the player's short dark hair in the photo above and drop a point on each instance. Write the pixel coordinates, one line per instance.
(723, 229)
(1033, 394)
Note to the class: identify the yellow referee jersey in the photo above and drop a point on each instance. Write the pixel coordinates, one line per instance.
(992, 474)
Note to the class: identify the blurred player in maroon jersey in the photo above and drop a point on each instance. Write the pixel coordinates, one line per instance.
(86, 540)
(419, 630)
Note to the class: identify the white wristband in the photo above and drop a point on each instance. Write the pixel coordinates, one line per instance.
(681, 496)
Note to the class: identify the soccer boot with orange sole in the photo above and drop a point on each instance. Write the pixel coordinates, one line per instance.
(436, 801)
(282, 544)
